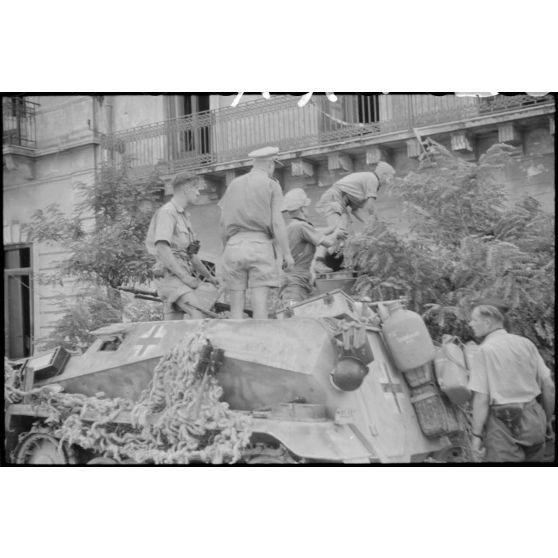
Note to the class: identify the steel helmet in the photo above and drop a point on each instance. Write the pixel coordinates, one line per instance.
(295, 199)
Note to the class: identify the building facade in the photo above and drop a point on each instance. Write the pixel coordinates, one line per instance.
(53, 143)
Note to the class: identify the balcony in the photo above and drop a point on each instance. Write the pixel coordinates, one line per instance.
(18, 122)
(214, 138)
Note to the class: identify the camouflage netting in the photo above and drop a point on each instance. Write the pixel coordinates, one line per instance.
(12, 384)
(163, 428)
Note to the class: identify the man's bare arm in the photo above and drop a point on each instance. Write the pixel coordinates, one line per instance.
(548, 398)
(280, 231)
(365, 214)
(166, 257)
(480, 412)
(222, 233)
(330, 239)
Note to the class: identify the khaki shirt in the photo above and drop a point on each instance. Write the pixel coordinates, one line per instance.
(172, 225)
(247, 202)
(352, 190)
(303, 240)
(358, 186)
(508, 368)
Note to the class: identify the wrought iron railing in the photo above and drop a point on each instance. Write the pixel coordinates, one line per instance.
(18, 122)
(228, 134)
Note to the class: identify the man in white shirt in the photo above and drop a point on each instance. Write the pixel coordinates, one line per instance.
(507, 378)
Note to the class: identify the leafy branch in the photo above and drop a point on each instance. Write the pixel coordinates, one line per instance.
(465, 243)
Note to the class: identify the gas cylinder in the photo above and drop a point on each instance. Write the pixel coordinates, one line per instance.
(407, 337)
(451, 371)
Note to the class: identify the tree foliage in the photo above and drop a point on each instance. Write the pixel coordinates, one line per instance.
(465, 244)
(91, 310)
(448, 198)
(105, 234)
(104, 239)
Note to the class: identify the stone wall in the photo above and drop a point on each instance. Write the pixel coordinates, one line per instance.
(63, 119)
(130, 111)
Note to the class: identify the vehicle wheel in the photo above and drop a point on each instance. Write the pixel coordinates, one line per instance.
(268, 460)
(268, 455)
(42, 449)
(102, 461)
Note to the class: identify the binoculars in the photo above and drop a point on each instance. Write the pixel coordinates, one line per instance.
(193, 248)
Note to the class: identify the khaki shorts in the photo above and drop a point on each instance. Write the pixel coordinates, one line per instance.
(170, 288)
(249, 262)
(295, 287)
(330, 204)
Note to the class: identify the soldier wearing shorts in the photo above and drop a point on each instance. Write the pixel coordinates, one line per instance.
(352, 195)
(172, 241)
(252, 227)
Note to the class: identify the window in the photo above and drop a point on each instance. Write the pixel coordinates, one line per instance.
(18, 120)
(18, 301)
(196, 139)
(360, 108)
(368, 108)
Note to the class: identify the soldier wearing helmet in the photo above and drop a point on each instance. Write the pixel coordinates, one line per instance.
(353, 195)
(304, 238)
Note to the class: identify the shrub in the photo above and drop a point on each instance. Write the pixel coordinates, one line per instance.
(105, 241)
(465, 244)
(92, 310)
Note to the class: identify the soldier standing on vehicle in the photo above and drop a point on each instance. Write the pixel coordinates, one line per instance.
(303, 238)
(171, 239)
(251, 221)
(507, 378)
(354, 194)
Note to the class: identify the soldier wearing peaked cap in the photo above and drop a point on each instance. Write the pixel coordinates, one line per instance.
(251, 224)
(265, 153)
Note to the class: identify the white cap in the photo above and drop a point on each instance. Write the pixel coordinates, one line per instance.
(295, 199)
(265, 153)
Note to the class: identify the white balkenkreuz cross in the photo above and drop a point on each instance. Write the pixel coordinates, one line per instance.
(390, 388)
(150, 339)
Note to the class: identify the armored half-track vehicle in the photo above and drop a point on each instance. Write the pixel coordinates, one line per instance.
(318, 383)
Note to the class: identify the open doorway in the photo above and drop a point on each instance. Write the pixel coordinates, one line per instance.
(18, 301)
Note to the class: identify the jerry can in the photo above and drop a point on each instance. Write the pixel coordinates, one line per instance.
(420, 375)
(471, 352)
(435, 416)
(451, 371)
(408, 339)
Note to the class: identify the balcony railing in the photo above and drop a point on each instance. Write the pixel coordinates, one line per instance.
(228, 134)
(18, 122)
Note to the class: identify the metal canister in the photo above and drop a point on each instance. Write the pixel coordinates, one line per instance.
(407, 337)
